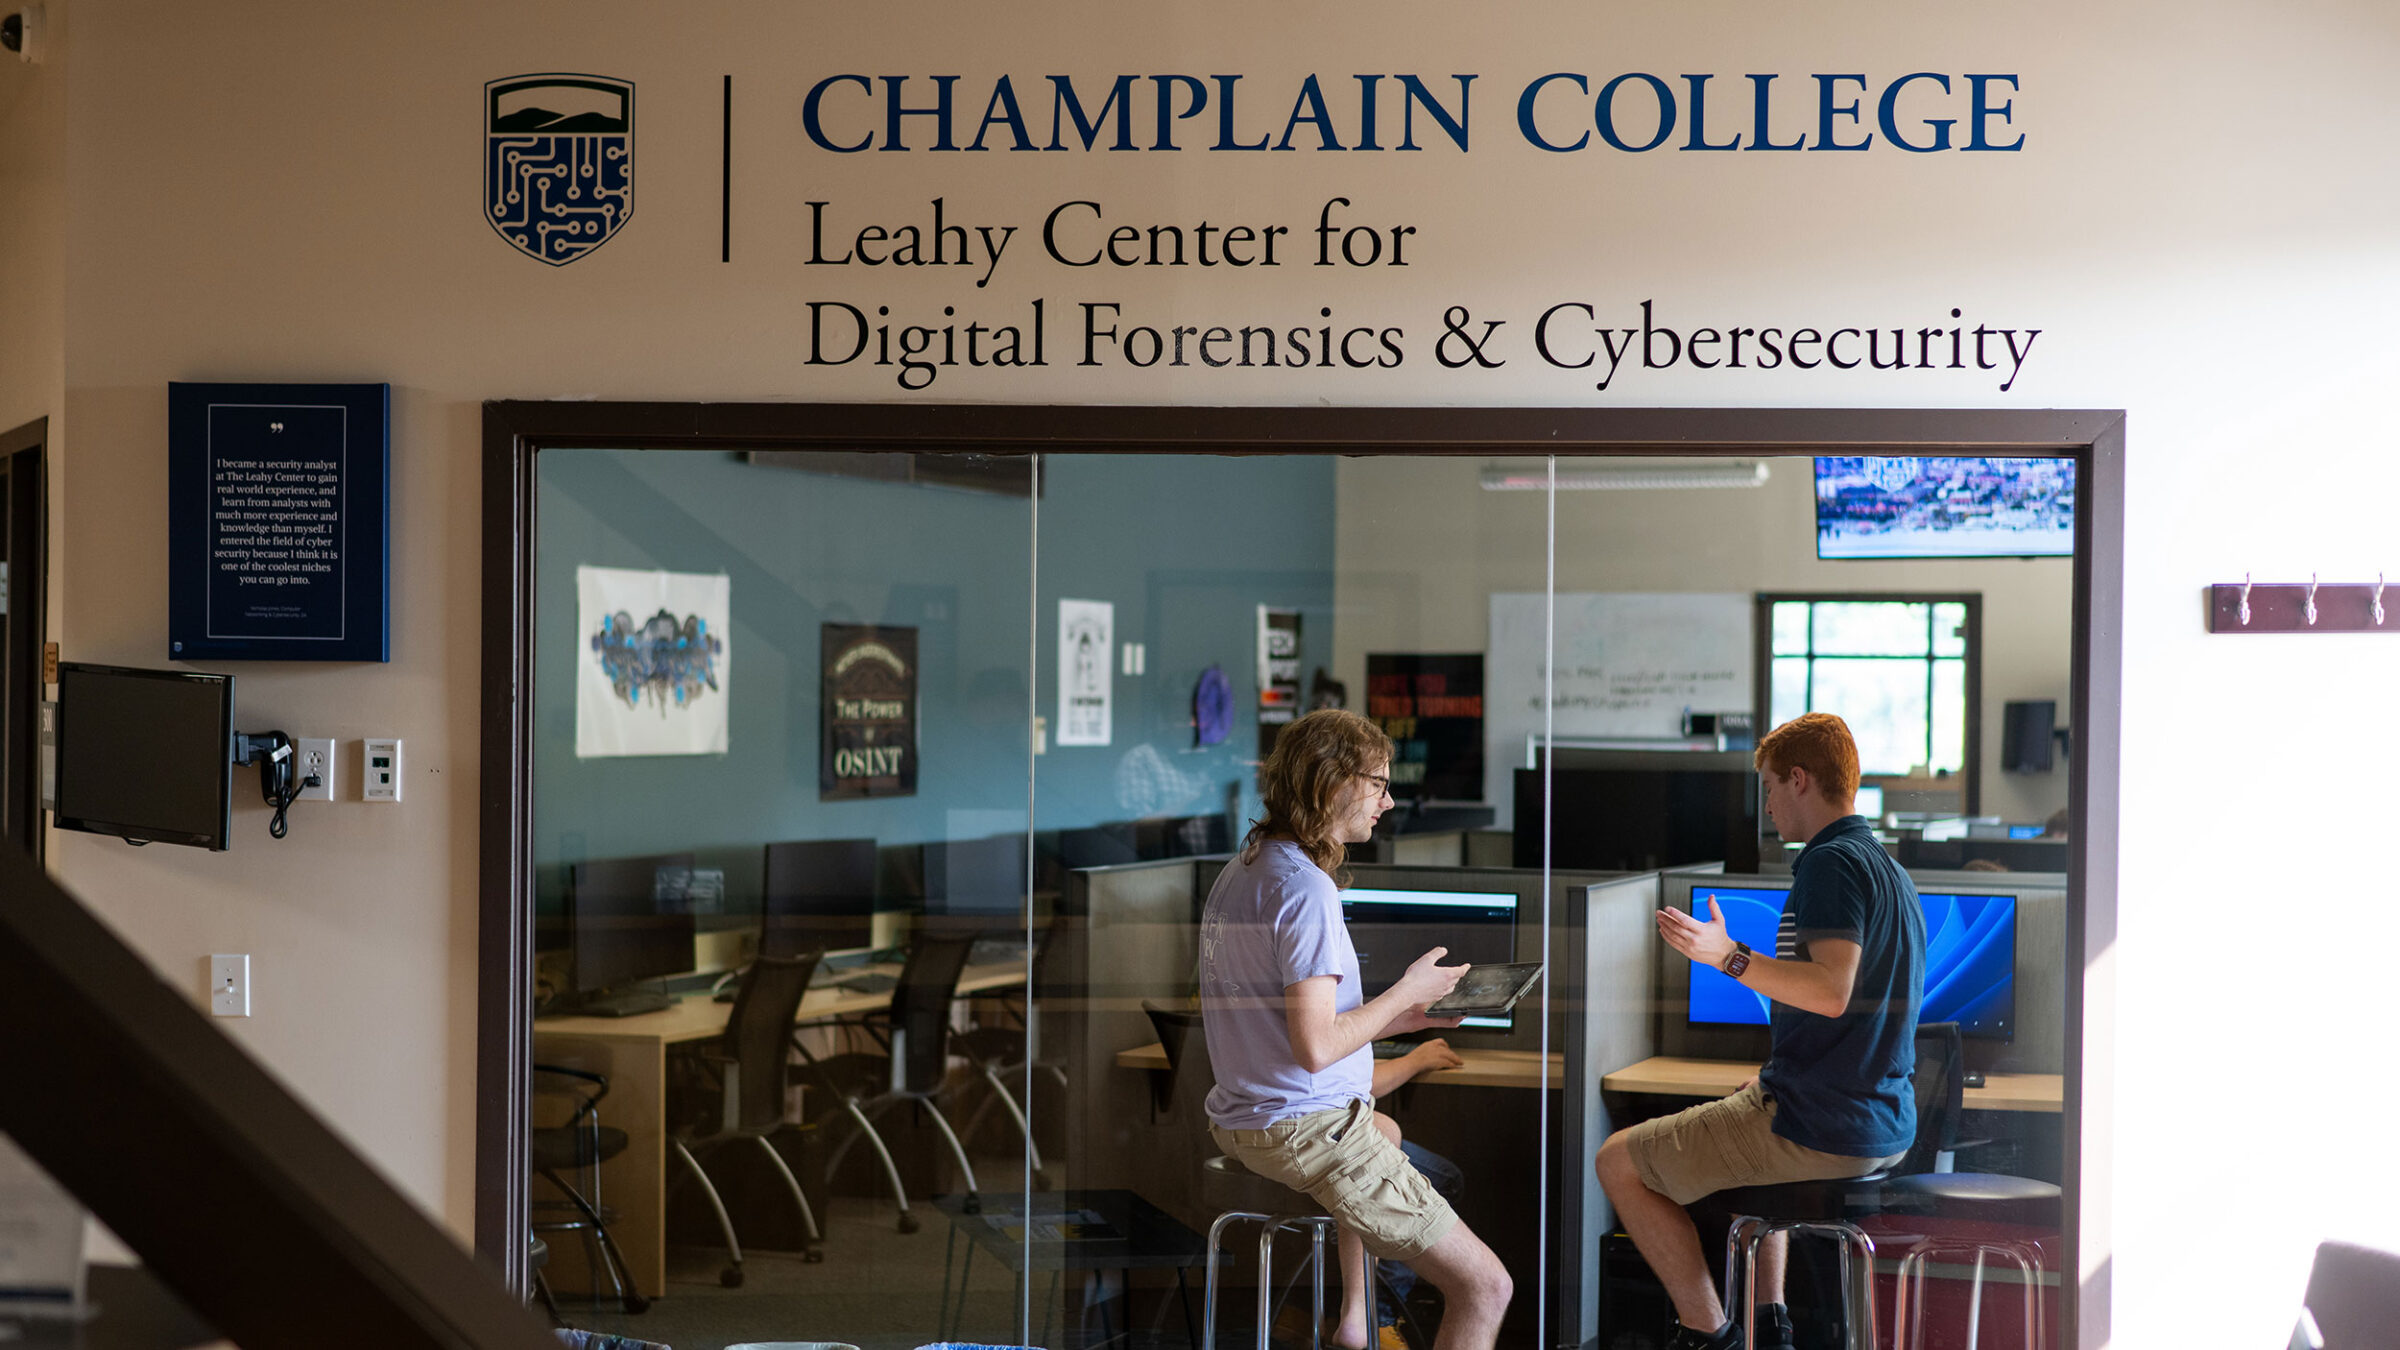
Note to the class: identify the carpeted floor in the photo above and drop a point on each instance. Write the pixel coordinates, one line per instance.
(879, 1290)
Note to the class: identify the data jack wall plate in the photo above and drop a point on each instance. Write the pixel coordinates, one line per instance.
(379, 770)
(314, 755)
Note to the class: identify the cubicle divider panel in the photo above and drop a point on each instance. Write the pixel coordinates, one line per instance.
(1128, 937)
(1603, 991)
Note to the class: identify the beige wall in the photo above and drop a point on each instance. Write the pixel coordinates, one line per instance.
(1423, 528)
(2200, 225)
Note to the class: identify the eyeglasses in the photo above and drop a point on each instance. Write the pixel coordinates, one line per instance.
(1382, 782)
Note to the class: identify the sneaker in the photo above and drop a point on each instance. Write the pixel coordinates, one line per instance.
(1687, 1339)
(1774, 1327)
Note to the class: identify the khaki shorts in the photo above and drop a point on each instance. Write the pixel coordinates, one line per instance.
(1731, 1142)
(1341, 1161)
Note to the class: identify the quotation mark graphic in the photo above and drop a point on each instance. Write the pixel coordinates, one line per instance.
(275, 427)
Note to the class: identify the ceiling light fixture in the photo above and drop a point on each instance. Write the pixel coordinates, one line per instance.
(1625, 478)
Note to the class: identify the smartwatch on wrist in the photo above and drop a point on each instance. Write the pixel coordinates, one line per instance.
(1738, 962)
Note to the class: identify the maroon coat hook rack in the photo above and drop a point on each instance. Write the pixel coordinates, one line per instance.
(2303, 607)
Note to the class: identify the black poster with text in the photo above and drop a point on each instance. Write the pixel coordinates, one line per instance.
(1432, 708)
(278, 522)
(867, 699)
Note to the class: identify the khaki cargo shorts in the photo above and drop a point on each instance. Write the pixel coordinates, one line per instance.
(1341, 1161)
(1730, 1142)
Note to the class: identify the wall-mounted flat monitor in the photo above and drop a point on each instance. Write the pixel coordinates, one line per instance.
(628, 920)
(1901, 506)
(818, 895)
(146, 755)
(1392, 927)
(1970, 955)
(1638, 811)
(976, 884)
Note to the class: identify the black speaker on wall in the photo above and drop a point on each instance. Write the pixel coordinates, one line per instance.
(2026, 734)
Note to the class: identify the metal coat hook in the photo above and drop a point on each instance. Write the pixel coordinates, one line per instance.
(2311, 606)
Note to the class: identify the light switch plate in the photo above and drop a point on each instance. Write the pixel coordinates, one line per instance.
(229, 986)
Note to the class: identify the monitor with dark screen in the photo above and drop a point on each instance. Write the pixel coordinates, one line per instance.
(1392, 928)
(627, 921)
(819, 895)
(976, 883)
(1638, 811)
(1970, 958)
(145, 754)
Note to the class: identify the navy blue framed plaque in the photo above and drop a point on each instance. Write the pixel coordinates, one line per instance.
(279, 522)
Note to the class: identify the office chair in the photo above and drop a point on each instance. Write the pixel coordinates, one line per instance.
(1000, 1051)
(1238, 1194)
(581, 1145)
(750, 1068)
(910, 1064)
(1830, 1209)
(2353, 1299)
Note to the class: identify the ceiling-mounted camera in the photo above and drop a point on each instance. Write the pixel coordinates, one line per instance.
(21, 32)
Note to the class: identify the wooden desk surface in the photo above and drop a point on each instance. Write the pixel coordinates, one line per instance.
(1483, 1068)
(1715, 1078)
(697, 1017)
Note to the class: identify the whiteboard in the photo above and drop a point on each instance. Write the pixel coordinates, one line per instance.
(1628, 665)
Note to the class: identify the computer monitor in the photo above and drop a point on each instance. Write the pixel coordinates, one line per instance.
(146, 755)
(1869, 802)
(627, 920)
(1637, 811)
(819, 895)
(976, 884)
(2034, 831)
(1970, 957)
(1392, 928)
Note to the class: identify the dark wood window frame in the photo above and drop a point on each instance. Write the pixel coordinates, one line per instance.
(515, 433)
(21, 460)
(1763, 664)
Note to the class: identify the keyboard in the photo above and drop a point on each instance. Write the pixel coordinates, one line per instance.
(1391, 1049)
(996, 951)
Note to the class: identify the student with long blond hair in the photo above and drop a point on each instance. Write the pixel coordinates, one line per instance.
(1288, 1031)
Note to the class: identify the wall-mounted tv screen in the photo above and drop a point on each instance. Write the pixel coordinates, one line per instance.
(1901, 506)
(145, 754)
(1970, 959)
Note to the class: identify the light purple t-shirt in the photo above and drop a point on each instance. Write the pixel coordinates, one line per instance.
(1270, 924)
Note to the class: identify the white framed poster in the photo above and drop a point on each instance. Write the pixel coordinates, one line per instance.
(1086, 636)
(653, 655)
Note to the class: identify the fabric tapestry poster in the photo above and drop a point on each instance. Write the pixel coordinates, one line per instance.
(653, 652)
(867, 707)
(1086, 634)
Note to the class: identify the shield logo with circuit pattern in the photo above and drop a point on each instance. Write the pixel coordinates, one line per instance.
(558, 162)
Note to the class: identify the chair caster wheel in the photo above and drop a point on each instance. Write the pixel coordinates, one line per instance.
(813, 1256)
(908, 1223)
(731, 1277)
(635, 1303)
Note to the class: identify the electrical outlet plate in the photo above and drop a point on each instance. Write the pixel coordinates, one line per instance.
(379, 770)
(314, 755)
(229, 986)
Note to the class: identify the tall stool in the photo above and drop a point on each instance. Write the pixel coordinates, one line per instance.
(1970, 1196)
(1808, 1209)
(1225, 1181)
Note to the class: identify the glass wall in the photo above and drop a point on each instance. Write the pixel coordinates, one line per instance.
(878, 799)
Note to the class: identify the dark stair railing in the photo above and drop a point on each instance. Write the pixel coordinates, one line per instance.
(233, 1194)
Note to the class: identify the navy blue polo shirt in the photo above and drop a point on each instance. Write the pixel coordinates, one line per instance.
(1841, 1084)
